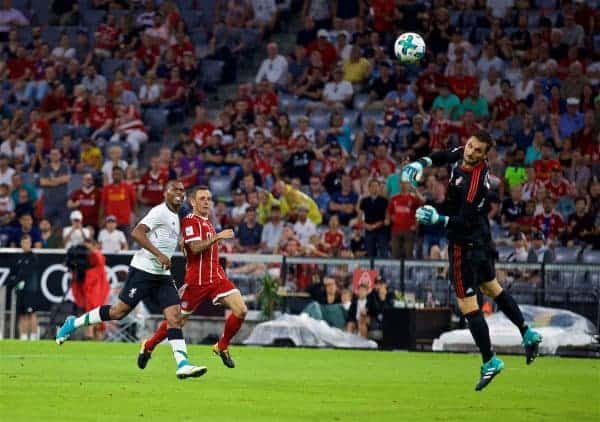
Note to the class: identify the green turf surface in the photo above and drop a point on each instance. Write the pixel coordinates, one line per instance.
(84, 381)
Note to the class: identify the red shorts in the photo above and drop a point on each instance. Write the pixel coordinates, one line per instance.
(193, 295)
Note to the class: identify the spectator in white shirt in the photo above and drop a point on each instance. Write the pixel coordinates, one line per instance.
(76, 234)
(274, 67)
(265, 15)
(9, 19)
(489, 88)
(304, 227)
(6, 172)
(115, 154)
(489, 59)
(338, 93)
(149, 94)
(272, 231)
(13, 147)
(110, 238)
(63, 52)
(238, 211)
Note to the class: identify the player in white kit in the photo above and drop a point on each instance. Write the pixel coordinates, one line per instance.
(149, 277)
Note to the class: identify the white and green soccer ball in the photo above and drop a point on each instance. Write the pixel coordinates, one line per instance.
(410, 47)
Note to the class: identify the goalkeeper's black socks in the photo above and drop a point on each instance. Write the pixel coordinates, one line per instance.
(481, 334)
(507, 304)
(104, 312)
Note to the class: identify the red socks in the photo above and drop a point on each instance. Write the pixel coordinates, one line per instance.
(159, 335)
(232, 326)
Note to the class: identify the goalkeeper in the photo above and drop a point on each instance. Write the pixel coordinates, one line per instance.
(471, 252)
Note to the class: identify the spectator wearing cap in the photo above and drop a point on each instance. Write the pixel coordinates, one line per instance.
(274, 68)
(26, 227)
(248, 233)
(571, 121)
(303, 227)
(111, 239)
(54, 180)
(272, 231)
(76, 233)
(118, 199)
(324, 48)
(373, 212)
(86, 198)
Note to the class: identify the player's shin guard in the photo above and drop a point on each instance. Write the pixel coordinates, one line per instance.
(232, 326)
(95, 316)
(481, 334)
(507, 304)
(177, 342)
(159, 335)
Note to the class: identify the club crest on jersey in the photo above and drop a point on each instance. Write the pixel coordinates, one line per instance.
(189, 231)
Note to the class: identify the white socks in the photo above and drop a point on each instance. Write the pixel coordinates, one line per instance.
(89, 318)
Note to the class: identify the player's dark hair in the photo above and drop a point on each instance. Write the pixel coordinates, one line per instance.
(195, 190)
(484, 137)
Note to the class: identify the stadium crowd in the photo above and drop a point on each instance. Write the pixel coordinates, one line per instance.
(304, 159)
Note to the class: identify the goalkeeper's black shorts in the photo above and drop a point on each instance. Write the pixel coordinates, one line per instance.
(470, 266)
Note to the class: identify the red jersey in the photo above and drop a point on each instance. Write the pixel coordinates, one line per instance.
(89, 204)
(106, 37)
(376, 165)
(99, 116)
(119, 201)
(43, 128)
(549, 224)
(78, 113)
(265, 101)
(438, 133)
(464, 132)
(402, 208)
(180, 49)
(562, 188)
(18, 67)
(203, 268)
(200, 133)
(462, 85)
(504, 107)
(543, 168)
(149, 55)
(153, 187)
(383, 15)
(327, 51)
(334, 239)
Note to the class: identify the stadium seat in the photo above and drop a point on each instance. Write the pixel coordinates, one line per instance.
(220, 186)
(504, 252)
(74, 182)
(564, 255)
(93, 18)
(51, 34)
(211, 71)
(523, 292)
(192, 19)
(156, 118)
(376, 115)
(319, 120)
(110, 66)
(58, 130)
(41, 12)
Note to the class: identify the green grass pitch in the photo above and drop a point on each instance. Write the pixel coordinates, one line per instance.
(85, 381)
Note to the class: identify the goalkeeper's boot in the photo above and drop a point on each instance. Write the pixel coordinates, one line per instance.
(65, 330)
(488, 371)
(144, 356)
(531, 341)
(187, 370)
(224, 355)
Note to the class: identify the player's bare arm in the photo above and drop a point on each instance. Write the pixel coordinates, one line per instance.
(139, 234)
(199, 246)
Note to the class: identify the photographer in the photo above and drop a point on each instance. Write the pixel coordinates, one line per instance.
(89, 285)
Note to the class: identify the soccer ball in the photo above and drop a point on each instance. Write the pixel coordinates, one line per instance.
(409, 47)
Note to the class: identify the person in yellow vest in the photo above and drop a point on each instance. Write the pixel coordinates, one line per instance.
(291, 199)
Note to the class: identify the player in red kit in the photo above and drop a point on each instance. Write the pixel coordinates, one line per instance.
(204, 278)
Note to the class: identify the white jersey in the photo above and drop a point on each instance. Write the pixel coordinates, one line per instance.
(164, 234)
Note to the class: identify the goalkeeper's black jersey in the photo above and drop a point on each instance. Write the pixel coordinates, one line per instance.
(466, 202)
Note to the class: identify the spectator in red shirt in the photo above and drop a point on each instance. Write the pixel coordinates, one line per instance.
(202, 128)
(183, 45)
(39, 127)
(119, 199)
(173, 94)
(428, 84)
(107, 37)
(101, 118)
(147, 55)
(401, 216)
(152, 184)
(87, 200)
(460, 83)
(545, 164)
(504, 106)
(549, 221)
(325, 48)
(381, 157)
(385, 15)
(557, 186)
(333, 238)
(55, 104)
(265, 98)
(79, 107)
